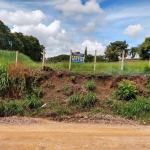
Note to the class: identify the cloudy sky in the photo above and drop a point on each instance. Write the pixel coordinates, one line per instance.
(61, 25)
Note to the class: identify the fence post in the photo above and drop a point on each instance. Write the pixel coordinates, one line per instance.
(122, 63)
(95, 60)
(16, 59)
(70, 59)
(43, 60)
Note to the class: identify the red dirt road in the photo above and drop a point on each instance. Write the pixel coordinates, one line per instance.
(72, 136)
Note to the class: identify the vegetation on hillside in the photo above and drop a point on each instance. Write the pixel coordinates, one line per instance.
(22, 88)
(27, 45)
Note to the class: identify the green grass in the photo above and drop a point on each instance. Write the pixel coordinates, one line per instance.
(105, 68)
(8, 57)
(136, 109)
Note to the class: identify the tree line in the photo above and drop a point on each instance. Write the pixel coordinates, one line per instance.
(112, 52)
(28, 45)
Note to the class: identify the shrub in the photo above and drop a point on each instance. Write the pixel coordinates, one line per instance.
(59, 111)
(90, 85)
(13, 108)
(89, 100)
(146, 69)
(148, 84)
(38, 92)
(74, 99)
(134, 109)
(1, 108)
(32, 103)
(126, 90)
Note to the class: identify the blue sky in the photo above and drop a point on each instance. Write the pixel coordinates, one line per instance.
(61, 25)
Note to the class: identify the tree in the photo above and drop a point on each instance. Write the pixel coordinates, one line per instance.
(4, 36)
(143, 49)
(89, 58)
(133, 52)
(115, 49)
(59, 58)
(85, 55)
(28, 45)
(17, 43)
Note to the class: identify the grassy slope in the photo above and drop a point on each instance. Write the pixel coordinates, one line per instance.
(7, 57)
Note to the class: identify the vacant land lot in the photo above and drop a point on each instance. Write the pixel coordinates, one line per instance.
(49, 135)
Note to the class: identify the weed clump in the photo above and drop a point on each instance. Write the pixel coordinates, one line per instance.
(13, 108)
(32, 103)
(137, 109)
(126, 90)
(90, 85)
(83, 101)
(2, 108)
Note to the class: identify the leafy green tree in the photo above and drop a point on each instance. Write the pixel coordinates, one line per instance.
(133, 52)
(4, 36)
(17, 43)
(100, 58)
(59, 58)
(89, 58)
(144, 48)
(28, 45)
(115, 49)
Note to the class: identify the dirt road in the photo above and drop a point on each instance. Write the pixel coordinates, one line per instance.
(72, 136)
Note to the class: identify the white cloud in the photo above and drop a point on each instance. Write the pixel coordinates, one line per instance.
(90, 28)
(133, 30)
(122, 12)
(22, 18)
(53, 37)
(75, 9)
(92, 46)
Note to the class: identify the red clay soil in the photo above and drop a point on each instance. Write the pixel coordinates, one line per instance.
(48, 135)
(53, 82)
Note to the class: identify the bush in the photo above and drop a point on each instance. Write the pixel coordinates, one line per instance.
(146, 69)
(38, 92)
(89, 100)
(90, 85)
(59, 111)
(1, 108)
(134, 109)
(125, 90)
(13, 108)
(74, 99)
(32, 103)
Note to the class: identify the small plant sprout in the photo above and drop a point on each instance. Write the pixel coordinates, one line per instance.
(73, 79)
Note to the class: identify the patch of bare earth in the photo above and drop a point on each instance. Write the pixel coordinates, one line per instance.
(24, 133)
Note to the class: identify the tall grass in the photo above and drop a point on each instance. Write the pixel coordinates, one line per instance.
(104, 68)
(137, 109)
(7, 57)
